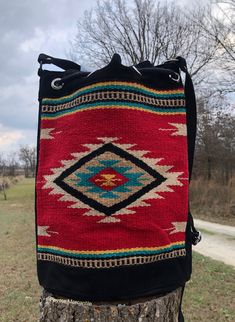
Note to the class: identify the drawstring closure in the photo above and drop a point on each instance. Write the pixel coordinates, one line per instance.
(58, 82)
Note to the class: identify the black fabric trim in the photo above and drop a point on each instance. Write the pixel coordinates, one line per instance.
(114, 283)
(37, 166)
(152, 78)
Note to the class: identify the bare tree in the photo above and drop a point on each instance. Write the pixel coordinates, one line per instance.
(12, 164)
(219, 25)
(215, 148)
(27, 155)
(4, 183)
(146, 30)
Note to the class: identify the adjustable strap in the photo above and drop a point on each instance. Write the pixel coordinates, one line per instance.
(191, 110)
(61, 63)
(191, 113)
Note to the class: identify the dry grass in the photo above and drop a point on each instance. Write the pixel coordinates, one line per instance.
(209, 295)
(19, 290)
(212, 201)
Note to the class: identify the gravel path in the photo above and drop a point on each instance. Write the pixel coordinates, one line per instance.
(218, 241)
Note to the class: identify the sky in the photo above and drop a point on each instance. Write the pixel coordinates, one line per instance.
(29, 28)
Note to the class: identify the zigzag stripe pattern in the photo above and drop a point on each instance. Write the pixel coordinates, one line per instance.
(118, 96)
(113, 105)
(112, 262)
(117, 86)
(111, 253)
(115, 95)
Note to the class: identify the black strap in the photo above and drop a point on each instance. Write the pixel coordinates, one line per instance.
(61, 63)
(181, 316)
(191, 112)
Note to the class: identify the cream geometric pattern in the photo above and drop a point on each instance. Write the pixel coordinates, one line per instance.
(46, 134)
(177, 227)
(43, 231)
(171, 179)
(180, 129)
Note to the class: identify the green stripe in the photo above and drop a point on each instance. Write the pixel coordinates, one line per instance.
(137, 105)
(111, 87)
(108, 255)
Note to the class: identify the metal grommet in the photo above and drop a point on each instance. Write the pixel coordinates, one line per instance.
(175, 79)
(57, 86)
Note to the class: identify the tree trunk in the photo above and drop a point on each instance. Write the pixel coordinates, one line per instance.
(161, 309)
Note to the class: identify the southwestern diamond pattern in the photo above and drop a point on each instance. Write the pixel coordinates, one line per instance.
(109, 179)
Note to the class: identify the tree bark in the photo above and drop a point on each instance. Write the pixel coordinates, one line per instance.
(161, 309)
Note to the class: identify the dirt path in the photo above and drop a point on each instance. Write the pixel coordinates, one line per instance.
(218, 241)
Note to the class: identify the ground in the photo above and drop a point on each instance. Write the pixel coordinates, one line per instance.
(209, 296)
(218, 241)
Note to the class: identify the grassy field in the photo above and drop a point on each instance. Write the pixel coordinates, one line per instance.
(19, 290)
(213, 201)
(209, 296)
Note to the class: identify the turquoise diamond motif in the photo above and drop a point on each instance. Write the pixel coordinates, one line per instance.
(109, 179)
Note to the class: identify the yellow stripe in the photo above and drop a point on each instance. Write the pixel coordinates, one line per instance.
(119, 84)
(111, 250)
(100, 107)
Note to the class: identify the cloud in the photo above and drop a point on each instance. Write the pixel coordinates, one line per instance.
(35, 42)
(9, 137)
(27, 29)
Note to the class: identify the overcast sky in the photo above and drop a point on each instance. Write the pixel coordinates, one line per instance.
(27, 29)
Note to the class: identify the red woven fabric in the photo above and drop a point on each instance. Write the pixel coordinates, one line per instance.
(153, 223)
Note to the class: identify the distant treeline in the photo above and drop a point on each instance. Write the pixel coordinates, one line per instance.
(214, 153)
(215, 145)
(22, 162)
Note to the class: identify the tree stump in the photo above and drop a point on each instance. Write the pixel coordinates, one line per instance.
(161, 309)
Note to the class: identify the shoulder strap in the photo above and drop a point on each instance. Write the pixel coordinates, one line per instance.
(61, 63)
(179, 63)
(191, 113)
